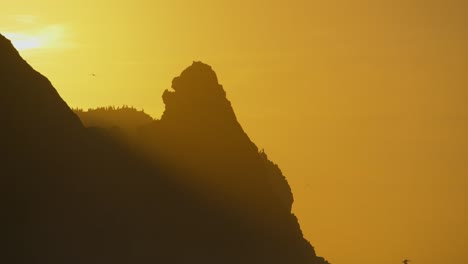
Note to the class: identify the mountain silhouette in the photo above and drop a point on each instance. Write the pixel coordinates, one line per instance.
(188, 188)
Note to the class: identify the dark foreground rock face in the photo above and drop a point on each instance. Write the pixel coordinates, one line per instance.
(195, 190)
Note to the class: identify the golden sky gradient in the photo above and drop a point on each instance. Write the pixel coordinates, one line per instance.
(362, 103)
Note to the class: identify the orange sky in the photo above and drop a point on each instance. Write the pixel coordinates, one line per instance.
(361, 103)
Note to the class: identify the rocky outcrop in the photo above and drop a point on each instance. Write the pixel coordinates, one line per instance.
(200, 135)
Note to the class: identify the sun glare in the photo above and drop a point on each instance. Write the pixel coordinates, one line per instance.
(50, 36)
(24, 42)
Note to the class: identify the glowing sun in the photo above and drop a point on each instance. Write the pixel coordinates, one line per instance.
(25, 42)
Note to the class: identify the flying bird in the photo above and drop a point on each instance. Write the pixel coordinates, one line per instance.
(406, 261)
(92, 74)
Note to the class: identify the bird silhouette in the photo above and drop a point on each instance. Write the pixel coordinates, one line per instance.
(92, 74)
(406, 261)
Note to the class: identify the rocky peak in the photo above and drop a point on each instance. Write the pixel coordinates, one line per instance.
(28, 98)
(197, 94)
(199, 76)
(10, 57)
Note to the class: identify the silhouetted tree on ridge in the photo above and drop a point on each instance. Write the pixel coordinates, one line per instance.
(125, 119)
